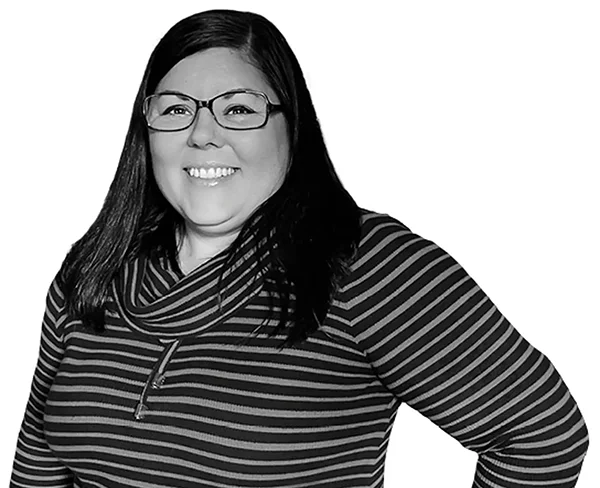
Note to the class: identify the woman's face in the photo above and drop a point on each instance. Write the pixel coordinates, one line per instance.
(260, 156)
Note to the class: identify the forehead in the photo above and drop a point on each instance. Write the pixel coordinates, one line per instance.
(213, 71)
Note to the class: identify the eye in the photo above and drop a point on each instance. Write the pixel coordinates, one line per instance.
(238, 110)
(177, 110)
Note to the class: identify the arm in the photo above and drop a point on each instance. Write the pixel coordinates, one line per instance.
(35, 465)
(439, 344)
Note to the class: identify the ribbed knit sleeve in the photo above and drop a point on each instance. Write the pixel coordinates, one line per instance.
(35, 465)
(439, 344)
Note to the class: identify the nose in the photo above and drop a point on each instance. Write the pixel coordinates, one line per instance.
(205, 130)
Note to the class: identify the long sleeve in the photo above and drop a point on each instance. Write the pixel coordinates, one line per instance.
(439, 344)
(35, 465)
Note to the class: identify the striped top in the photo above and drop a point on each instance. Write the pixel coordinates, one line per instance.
(177, 393)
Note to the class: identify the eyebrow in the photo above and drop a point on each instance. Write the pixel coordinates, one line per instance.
(229, 92)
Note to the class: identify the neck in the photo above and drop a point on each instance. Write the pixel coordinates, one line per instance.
(197, 248)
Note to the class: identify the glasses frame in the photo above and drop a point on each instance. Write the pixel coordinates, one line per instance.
(271, 107)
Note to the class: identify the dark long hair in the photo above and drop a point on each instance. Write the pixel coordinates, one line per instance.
(312, 219)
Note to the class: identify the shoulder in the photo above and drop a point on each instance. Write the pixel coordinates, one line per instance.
(379, 224)
(389, 253)
(55, 313)
(383, 235)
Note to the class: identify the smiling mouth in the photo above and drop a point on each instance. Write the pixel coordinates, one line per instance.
(210, 173)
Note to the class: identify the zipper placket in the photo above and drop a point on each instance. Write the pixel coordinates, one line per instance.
(155, 379)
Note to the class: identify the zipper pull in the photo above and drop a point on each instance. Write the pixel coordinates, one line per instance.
(140, 411)
(158, 381)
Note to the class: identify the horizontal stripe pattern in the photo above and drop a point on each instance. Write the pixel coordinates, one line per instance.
(205, 403)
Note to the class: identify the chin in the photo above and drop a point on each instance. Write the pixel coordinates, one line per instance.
(219, 218)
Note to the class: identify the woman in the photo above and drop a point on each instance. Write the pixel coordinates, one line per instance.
(232, 318)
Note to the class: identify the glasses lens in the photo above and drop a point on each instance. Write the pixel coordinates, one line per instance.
(169, 111)
(240, 110)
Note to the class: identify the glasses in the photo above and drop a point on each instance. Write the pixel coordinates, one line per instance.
(242, 109)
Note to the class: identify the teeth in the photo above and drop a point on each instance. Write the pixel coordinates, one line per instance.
(211, 173)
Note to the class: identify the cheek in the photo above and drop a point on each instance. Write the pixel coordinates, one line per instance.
(161, 149)
(162, 158)
(267, 153)
(283, 145)
(165, 158)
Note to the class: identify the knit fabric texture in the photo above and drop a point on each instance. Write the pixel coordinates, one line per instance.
(178, 392)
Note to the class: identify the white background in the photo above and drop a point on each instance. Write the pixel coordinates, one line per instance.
(475, 123)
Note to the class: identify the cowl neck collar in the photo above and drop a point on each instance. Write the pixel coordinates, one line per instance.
(153, 300)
